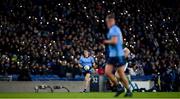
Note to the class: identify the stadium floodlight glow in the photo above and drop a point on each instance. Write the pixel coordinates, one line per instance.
(126, 11)
(72, 57)
(114, 3)
(84, 7)
(50, 44)
(56, 18)
(75, 60)
(130, 29)
(176, 38)
(126, 43)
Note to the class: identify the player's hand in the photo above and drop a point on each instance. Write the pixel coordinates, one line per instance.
(104, 41)
(101, 41)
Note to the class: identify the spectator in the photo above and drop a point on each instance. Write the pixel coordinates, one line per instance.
(49, 37)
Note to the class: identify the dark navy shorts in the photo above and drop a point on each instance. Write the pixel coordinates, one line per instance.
(84, 72)
(116, 61)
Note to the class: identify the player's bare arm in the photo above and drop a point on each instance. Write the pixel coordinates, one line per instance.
(113, 40)
(80, 65)
(126, 52)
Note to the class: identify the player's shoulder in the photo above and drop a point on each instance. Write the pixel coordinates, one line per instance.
(91, 57)
(81, 57)
(115, 28)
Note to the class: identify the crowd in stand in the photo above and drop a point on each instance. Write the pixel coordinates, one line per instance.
(49, 36)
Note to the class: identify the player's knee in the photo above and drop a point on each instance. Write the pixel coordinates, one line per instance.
(87, 79)
(108, 70)
(121, 71)
(107, 73)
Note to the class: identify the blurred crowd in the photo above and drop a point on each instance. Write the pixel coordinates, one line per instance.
(49, 36)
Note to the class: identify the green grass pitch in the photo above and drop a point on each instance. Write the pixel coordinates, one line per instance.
(90, 95)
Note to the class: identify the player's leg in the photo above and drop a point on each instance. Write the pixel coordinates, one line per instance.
(86, 81)
(121, 62)
(108, 71)
(117, 75)
(124, 80)
(123, 77)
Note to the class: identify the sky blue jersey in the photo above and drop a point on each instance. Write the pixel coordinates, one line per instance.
(86, 61)
(117, 49)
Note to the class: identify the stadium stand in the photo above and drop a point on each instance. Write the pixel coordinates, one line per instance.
(47, 37)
